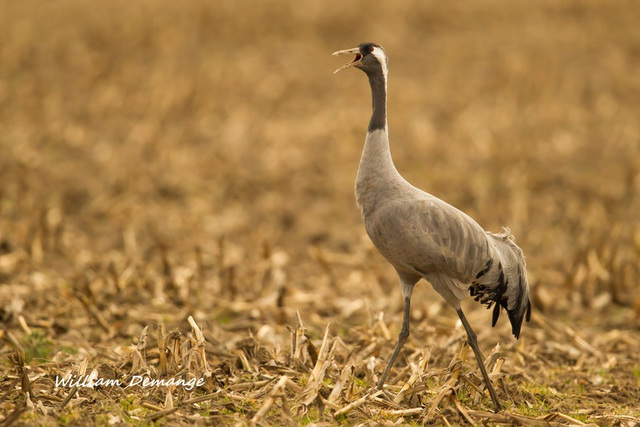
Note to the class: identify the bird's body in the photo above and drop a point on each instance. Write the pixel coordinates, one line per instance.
(425, 237)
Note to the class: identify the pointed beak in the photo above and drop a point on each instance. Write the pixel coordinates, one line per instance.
(355, 51)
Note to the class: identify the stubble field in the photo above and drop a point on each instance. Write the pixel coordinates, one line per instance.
(176, 202)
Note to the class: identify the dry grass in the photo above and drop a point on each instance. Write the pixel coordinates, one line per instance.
(176, 199)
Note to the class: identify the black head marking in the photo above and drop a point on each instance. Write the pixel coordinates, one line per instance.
(371, 64)
(375, 68)
(367, 48)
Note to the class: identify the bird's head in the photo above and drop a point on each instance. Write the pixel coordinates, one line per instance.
(369, 57)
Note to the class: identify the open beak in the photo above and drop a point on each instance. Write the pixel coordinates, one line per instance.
(355, 51)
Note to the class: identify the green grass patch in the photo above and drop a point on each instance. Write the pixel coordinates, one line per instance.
(311, 416)
(128, 403)
(361, 382)
(342, 419)
(37, 346)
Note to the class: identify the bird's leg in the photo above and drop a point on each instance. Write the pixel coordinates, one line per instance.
(402, 338)
(472, 339)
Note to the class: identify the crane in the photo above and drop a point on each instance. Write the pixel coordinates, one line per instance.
(425, 237)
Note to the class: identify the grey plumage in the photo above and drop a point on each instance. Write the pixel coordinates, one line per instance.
(425, 237)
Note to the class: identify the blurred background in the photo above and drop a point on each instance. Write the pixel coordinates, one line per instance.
(167, 158)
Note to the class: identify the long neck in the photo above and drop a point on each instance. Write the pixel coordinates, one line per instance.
(378, 82)
(377, 175)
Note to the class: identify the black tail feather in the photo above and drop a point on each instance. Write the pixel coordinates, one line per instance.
(504, 283)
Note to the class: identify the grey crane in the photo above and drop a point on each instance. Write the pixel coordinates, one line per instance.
(425, 237)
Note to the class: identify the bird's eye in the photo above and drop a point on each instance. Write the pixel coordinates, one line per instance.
(370, 49)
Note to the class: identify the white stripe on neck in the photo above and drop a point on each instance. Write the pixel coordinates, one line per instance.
(382, 59)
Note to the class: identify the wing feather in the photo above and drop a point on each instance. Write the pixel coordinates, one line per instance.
(430, 238)
(504, 281)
